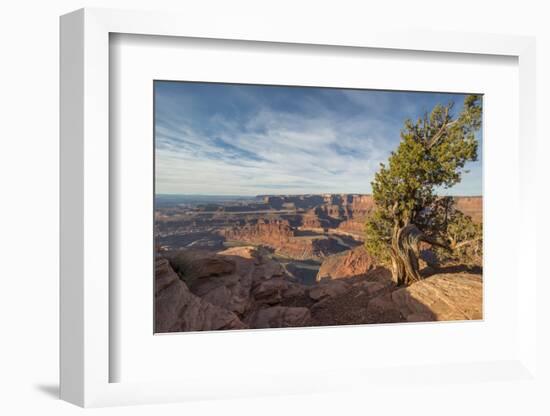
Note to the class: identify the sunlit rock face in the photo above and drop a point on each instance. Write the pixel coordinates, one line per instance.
(356, 262)
(442, 297)
(471, 206)
(177, 309)
(279, 235)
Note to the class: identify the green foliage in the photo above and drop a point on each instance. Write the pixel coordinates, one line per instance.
(378, 235)
(465, 239)
(432, 154)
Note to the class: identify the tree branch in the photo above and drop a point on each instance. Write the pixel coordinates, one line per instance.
(465, 243)
(434, 242)
(437, 136)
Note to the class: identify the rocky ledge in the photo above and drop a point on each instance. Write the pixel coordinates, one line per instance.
(350, 263)
(232, 289)
(243, 287)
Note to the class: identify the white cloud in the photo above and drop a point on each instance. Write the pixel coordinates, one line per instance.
(295, 154)
(316, 149)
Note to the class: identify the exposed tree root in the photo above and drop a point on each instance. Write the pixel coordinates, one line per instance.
(405, 253)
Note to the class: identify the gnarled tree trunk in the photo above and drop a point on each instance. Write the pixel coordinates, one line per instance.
(405, 250)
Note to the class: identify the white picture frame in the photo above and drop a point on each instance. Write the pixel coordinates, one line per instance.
(85, 353)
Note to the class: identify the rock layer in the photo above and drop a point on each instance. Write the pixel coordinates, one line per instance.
(177, 309)
(233, 291)
(281, 237)
(442, 297)
(279, 317)
(350, 263)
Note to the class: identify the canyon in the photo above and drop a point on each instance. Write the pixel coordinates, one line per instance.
(291, 260)
(278, 218)
(302, 228)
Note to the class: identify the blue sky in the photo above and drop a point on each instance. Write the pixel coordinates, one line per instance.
(225, 139)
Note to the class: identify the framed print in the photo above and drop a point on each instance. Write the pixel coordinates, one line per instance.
(238, 209)
(259, 214)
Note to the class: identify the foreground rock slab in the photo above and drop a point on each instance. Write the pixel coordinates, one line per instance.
(233, 291)
(177, 309)
(243, 287)
(442, 297)
(279, 317)
(328, 289)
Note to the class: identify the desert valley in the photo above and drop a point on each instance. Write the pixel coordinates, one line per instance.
(294, 260)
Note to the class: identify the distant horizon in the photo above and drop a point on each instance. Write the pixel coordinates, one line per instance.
(247, 140)
(292, 194)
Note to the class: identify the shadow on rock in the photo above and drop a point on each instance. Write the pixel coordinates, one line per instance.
(456, 268)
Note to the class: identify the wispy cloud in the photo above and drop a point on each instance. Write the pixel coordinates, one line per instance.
(248, 140)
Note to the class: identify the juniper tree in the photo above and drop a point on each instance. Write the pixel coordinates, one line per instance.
(432, 154)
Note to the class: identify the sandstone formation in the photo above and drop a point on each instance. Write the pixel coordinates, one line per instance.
(273, 220)
(382, 310)
(349, 263)
(313, 219)
(279, 235)
(244, 287)
(232, 291)
(226, 289)
(373, 288)
(279, 317)
(177, 309)
(471, 206)
(267, 232)
(328, 289)
(275, 290)
(442, 297)
(298, 201)
(196, 264)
